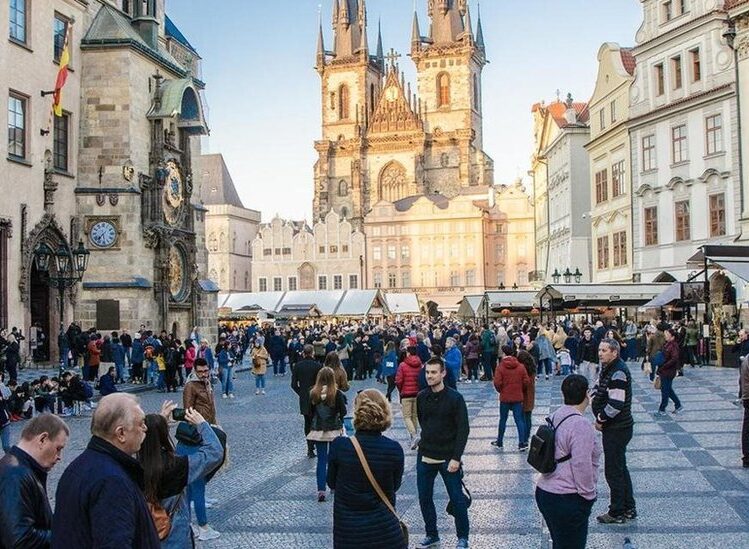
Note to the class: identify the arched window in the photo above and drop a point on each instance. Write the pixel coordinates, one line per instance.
(443, 89)
(343, 112)
(371, 98)
(344, 212)
(393, 184)
(476, 102)
(342, 188)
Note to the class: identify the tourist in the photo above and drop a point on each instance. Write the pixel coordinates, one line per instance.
(512, 383)
(443, 415)
(303, 378)
(389, 368)
(328, 410)
(12, 357)
(565, 496)
(5, 413)
(99, 500)
(612, 408)
(167, 475)
(260, 358)
(277, 351)
(225, 359)
(453, 361)
(744, 398)
(471, 350)
(360, 517)
(334, 363)
(587, 353)
(529, 399)
(668, 371)
(198, 391)
(488, 352)
(107, 382)
(546, 353)
(118, 357)
(407, 381)
(654, 350)
(137, 356)
(25, 512)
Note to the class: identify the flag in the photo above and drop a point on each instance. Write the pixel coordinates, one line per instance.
(62, 74)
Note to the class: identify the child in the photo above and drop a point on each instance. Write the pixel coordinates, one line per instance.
(565, 361)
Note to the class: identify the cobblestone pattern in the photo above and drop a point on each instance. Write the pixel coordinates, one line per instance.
(690, 488)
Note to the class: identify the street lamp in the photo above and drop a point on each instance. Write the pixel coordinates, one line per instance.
(501, 285)
(578, 275)
(69, 268)
(567, 275)
(556, 276)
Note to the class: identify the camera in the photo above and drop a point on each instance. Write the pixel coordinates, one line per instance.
(178, 414)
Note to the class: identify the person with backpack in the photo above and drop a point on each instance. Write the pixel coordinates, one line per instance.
(488, 352)
(565, 494)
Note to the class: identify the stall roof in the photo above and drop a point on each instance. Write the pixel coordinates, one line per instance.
(266, 301)
(298, 311)
(470, 306)
(602, 294)
(512, 299)
(361, 303)
(404, 304)
(327, 301)
(734, 259)
(667, 296)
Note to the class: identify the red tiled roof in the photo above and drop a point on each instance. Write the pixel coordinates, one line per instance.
(628, 59)
(733, 3)
(558, 108)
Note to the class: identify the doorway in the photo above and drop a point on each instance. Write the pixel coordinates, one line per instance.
(41, 309)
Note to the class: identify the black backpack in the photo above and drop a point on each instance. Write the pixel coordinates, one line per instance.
(542, 447)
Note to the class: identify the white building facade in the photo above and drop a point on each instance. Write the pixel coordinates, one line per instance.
(683, 136)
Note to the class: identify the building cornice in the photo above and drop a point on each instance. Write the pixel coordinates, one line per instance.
(681, 105)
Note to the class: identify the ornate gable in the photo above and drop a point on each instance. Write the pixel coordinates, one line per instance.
(395, 111)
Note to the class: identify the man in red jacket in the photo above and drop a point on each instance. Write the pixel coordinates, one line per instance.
(511, 382)
(407, 381)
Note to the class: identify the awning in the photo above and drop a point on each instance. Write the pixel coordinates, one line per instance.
(512, 300)
(403, 303)
(470, 306)
(738, 268)
(601, 295)
(668, 296)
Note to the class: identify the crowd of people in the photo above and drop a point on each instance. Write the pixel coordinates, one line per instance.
(164, 481)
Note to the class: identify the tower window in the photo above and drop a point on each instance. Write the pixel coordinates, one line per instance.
(342, 188)
(343, 100)
(443, 90)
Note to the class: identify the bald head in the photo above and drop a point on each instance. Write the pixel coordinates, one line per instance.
(119, 420)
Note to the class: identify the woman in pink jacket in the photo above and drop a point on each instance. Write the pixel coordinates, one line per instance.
(190, 354)
(407, 381)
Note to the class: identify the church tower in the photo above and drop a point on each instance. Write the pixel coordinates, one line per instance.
(351, 84)
(449, 62)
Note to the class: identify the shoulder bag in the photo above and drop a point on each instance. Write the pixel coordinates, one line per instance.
(376, 486)
(162, 518)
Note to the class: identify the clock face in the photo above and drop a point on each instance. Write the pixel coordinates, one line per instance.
(177, 273)
(103, 234)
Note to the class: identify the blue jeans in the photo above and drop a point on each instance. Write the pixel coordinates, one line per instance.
(567, 516)
(527, 420)
(487, 359)
(120, 371)
(545, 366)
(279, 366)
(196, 489)
(322, 464)
(227, 383)
(667, 391)
(517, 415)
(5, 437)
(259, 381)
(425, 475)
(161, 381)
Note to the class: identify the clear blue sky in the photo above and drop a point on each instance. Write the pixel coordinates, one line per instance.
(264, 94)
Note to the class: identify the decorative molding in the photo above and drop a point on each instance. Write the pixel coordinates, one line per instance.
(47, 230)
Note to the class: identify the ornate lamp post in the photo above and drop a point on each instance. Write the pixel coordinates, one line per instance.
(567, 275)
(69, 268)
(556, 276)
(578, 275)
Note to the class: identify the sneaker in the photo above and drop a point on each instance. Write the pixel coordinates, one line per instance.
(208, 504)
(223, 395)
(415, 443)
(522, 447)
(429, 542)
(195, 530)
(497, 444)
(207, 534)
(262, 392)
(606, 518)
(231, 395)
(311, 454)
(677, 410)
(320, 497)
(630, 514)
(462, 542)
(257, 391)
(659, 414)
(547, 378)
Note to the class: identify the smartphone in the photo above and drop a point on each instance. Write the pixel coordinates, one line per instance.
(178, 414)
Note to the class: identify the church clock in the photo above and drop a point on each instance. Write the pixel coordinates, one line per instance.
(173, 196)
(177, 273)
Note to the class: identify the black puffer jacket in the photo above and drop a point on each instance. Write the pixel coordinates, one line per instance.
(25, 513)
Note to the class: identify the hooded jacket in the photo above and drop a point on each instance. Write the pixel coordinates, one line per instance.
(407, 377)
(511, 380)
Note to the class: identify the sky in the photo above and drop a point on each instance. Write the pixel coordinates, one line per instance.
(263, 92)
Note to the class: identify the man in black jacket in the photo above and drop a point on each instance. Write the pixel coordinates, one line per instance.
(612, 408)
(25, 513)
(303, 378)
(443, 417)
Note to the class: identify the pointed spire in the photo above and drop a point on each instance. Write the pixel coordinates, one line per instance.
(336, 11)
(364, 41)
(320, 48)
(345, 15)
(415, 31)
(380, 54)
(468, 26)
(480, 32)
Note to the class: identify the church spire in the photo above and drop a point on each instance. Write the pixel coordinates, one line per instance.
(320, 49)
(349, 22)
(447, 20)
(336, 12)
(380, 54)
(415, 34)
(468, 27)
(480, 33)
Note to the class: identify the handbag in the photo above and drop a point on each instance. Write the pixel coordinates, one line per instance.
(376, 486)
(657, 382)
(188, 434)
(163, 519)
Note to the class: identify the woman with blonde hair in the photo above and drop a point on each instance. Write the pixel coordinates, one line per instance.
(360, 517)
(333, 361)
(328, 410)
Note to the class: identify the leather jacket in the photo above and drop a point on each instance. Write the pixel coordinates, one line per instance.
(25, 512)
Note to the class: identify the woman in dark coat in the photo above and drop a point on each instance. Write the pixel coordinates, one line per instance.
(667, 373)
(360, 518)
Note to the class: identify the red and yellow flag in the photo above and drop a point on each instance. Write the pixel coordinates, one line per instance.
(62, 74)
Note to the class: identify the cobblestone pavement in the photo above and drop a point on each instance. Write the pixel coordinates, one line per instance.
(690, 488)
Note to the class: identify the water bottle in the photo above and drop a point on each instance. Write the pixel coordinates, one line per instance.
(628, 544)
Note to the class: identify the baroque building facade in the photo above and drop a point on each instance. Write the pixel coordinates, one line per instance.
(291, 255)
(134, 115)
(610, 166)
(561, 190)
(230, 228)
(683, 136)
